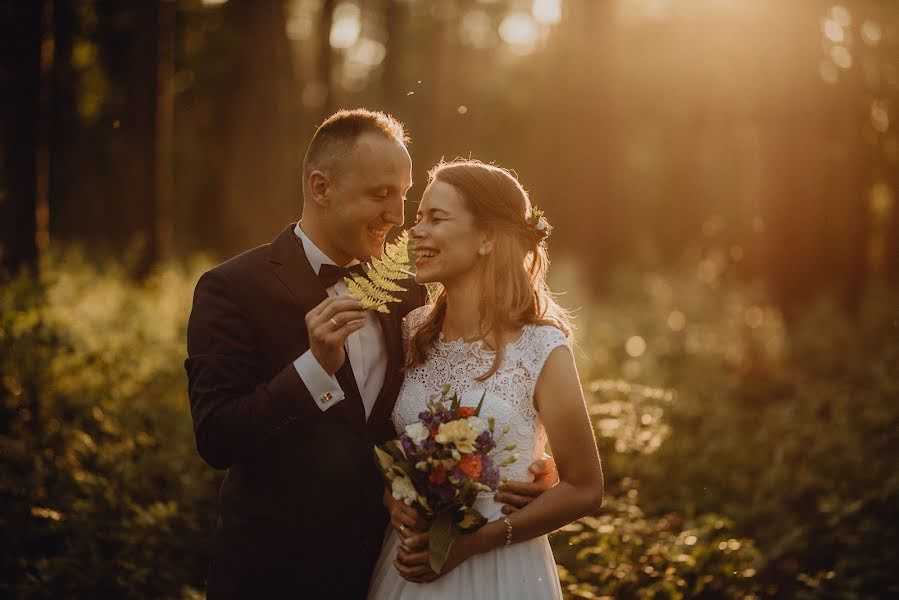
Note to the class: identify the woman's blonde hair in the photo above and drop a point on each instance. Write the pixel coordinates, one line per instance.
(513, 279)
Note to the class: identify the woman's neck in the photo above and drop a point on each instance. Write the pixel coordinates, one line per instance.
(463, 315)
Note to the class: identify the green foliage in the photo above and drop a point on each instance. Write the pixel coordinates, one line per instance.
(103, 493)
(763, 449)
(785, 428)
(622, 553)
(382, 276)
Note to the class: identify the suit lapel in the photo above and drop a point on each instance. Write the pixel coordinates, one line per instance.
(292, 268)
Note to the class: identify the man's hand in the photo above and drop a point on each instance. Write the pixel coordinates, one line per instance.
(328, 325)
(413, 557)
(405, 519)
(518, 494)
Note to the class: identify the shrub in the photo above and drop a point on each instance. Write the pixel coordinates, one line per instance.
(102, 490)
(786, 428)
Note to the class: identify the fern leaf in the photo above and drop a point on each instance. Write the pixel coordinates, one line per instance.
(373, 290)
(383, 282)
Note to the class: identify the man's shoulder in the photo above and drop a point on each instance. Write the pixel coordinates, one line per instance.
(247, 261)
(414, 297)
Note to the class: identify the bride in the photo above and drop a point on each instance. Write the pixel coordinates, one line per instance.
(494, 327)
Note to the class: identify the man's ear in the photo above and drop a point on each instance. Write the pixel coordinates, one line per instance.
(318, 187)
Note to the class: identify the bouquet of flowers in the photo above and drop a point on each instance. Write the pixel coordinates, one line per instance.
(440, 464)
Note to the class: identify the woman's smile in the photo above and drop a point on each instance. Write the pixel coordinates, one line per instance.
(424, 254)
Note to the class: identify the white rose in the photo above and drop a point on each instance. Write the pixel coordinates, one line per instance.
(402, 489)
(477, 425)
(417, 432)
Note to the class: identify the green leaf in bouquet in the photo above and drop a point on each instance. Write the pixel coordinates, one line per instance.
(477, 411)
(401, 469)
(469, 491)
(470, 520)
(395, 448)
(455, 402)
(426, 508)
(444, 532)
(385, 460)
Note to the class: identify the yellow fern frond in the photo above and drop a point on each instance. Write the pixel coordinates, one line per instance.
(383, 282)
(382, 276)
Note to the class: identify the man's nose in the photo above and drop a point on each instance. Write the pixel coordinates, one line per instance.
(394, 212)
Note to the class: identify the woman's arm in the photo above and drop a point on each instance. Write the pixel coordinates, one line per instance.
(560, 402)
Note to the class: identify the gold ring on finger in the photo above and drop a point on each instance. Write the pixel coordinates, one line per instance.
(402, 529)
(336, 324)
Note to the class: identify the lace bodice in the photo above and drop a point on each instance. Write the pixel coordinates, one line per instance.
(510, 391)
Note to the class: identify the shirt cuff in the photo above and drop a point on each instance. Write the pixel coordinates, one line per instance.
(324, 388)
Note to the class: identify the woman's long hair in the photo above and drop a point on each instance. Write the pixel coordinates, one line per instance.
(513, 286)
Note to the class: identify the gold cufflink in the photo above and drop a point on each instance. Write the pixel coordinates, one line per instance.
(325, 398)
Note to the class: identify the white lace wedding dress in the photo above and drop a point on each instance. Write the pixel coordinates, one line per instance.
(521, 571)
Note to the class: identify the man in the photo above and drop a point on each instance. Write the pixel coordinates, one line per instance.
(291, 383)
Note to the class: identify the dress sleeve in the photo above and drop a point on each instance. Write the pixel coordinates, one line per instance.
(547, 339)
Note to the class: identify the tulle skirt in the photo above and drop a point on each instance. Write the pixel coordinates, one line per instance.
(523, 571)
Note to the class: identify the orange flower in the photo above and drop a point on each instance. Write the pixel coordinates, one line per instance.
(466, 411)
(438, 475)
(471, 465)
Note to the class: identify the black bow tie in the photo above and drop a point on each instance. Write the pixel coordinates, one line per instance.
(331, 274)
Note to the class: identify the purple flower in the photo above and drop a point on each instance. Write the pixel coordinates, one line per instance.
(489, 473)
(484, 443)
(408, 445)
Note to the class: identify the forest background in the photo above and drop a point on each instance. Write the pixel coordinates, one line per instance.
(723, 179)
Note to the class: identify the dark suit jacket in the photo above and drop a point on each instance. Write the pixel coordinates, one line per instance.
(301, 511)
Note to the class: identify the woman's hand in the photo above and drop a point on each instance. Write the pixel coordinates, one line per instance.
(412, 557)
(405, 519)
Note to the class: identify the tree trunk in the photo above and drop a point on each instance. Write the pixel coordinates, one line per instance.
(163, 232)
(261, 176)
(324, 74)
(391, 92)
(20, 32)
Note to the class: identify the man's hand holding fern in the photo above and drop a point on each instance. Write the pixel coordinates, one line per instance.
(328, 325)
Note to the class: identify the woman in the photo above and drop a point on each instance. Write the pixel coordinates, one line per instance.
(494, 327)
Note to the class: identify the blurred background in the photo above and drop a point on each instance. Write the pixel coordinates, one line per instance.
(722, 176)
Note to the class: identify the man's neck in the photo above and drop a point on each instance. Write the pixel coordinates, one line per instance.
(317, 237)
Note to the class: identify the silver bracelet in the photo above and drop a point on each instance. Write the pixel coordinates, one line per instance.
(508, 530)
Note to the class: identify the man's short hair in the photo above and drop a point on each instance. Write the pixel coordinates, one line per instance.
(337, 133)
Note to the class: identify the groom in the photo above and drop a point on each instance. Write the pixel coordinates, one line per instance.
(291, 383)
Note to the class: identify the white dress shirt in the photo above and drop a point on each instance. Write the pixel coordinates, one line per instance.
(365, 348)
